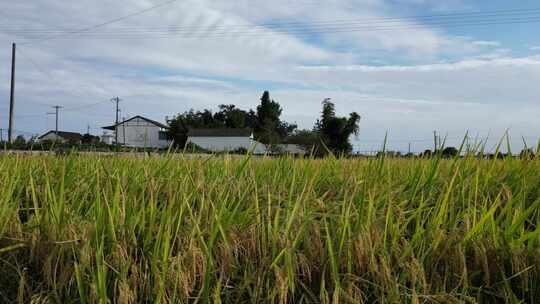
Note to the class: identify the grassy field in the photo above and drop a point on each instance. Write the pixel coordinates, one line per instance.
(87, 229)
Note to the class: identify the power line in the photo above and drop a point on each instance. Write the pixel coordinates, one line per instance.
(36, 66)
(296, 33)
(50, 76)
(29, 115)
(303, 29)
(115, 20)
(370, 21)
(24, 116)
(72, 109)
(75, 109)
(24, 132)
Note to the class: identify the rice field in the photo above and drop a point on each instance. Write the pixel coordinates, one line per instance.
(90, 229)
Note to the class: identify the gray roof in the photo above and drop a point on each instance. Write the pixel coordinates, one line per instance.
(219, 132)
(69, 136)
(113, 127)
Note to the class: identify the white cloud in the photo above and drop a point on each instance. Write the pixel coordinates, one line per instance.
(486, 43)
(459, 65)
(496, 81)
(163, 76)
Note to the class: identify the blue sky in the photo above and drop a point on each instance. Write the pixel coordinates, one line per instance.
(408, 81)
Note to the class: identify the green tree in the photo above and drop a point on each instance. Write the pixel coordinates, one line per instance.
(268, 110)
(177, 131)
(231, 116)
(309, 140)
(527, 153)
(251, 119)
(450, 152)
(266, 123)
(228, 116)
(268, 120)
(19, 142)
(336, 131)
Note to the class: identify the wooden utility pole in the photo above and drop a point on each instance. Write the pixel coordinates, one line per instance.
(57, 108)
(12, 94)
(435, 141)
(124, 131)
(117, 101)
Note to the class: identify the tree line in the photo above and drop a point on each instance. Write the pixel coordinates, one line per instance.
(330, 132)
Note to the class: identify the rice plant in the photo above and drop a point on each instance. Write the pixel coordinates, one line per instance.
(90, 229)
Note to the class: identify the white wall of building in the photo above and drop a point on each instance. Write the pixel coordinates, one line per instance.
(107, 139)
(139, 133)
(220, 144)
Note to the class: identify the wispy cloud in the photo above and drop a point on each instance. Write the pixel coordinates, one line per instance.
(486, 43)
(416, 78)
(455, 66)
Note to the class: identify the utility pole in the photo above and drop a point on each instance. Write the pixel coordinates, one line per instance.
(117, 101)
(1, 135)
(12, 94)
(409, 153)
(435, 141)
(124, 132)
(57, 108)
(88, 129)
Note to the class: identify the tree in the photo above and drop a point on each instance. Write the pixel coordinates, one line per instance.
(309, 140)
(526, 154)
(286, 129)
(20, 142)
(427, 154)
(90, 139)
(450, 152)
(251, 119)
(268, 120)
(231, 117)
(336, 131)
(269, 110)
(228, 116)
(266, 123)
(177, 131)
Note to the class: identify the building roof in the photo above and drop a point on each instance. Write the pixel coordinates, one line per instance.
(113, 127)
(69, 136)
(219, 132)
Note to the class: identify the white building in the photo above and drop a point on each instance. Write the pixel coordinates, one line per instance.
(291, 149)
(219, 140)
(107, 138)
(141, 132)
(61, 137)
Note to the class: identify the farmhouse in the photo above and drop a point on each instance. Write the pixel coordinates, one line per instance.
(140, 132)
(61, 137)
(219, 140)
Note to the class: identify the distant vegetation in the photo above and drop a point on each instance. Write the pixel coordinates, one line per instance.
(330, 133)
(162, 230)
(265, 121)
